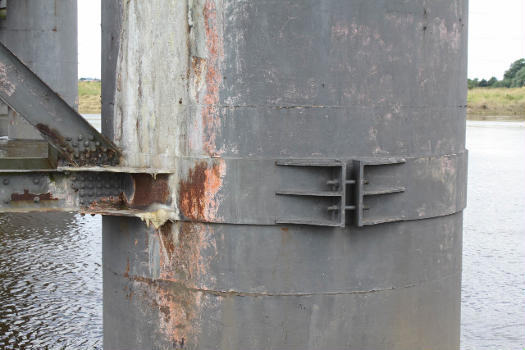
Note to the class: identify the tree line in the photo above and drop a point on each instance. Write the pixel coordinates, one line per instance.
(513, 77)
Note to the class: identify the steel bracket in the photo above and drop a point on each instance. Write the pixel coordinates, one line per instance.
(325, 202)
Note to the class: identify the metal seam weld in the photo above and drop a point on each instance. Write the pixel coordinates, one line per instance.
(224, 293)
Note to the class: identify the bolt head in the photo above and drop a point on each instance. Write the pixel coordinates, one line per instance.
(80, 137)
(36, 199)
(36, 180)
(5, 181)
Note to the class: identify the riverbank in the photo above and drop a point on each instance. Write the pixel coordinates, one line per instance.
(498, 104)
(89, 97)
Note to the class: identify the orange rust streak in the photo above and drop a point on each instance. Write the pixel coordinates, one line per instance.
(214, 44)
(198, 194)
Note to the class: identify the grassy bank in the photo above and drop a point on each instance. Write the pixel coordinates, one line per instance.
(483, 103)
(496, 104)
(89, 97)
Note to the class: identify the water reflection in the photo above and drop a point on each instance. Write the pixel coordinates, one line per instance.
(50, 281)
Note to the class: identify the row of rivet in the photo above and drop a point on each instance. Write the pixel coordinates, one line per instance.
(93, 187)
(87, 150)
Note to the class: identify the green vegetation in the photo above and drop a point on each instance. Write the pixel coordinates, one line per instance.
(513, 77)
(89, 97)
(496, 104)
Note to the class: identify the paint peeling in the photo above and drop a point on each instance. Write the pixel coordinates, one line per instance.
(215, 55)
(198, 194)
(6, 86)
(180, 255)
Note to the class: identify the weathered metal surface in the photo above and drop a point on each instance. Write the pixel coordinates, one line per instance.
(76, 140)
(88, 192)
(43, 34)
(215, 92)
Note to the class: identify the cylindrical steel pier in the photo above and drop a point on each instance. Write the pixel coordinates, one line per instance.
(319, 170)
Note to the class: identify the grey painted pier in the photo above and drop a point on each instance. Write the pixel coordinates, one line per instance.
(272, 174)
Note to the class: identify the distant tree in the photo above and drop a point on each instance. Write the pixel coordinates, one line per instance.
(483, 83)
(519, 78)
(492, 81)
(515, 67)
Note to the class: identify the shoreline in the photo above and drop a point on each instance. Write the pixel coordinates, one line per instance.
(496, 118)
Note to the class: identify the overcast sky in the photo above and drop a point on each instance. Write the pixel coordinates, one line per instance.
(496, 37)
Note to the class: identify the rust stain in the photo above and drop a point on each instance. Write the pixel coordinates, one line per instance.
(214, 44)
(185, 250)
(55, 136)
(26, 196)
(126, 273)
(198, 198)
(108, 203)
(149, 190)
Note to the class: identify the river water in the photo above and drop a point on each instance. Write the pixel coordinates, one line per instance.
(51, 278)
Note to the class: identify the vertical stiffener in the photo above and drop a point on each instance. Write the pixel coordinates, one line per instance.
(317, 173)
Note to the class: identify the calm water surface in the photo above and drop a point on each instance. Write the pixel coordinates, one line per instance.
(51, 278)
(493, 299)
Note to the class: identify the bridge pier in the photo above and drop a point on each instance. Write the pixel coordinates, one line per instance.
(317, 173)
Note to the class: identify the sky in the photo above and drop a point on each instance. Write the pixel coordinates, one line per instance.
(496, 37)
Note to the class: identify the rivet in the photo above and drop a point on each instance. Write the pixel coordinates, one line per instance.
(92, 138)
(74, 144)
(36, 180)
(68, 138)
(80, 138)
(104, 149)
(5, 181)
(97, 144)
(86, 143)
(74, 178)
(99, 185)
(36, 199)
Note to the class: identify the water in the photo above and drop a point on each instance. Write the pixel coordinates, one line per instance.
(50, 281)
(51, 278)
(493, 293)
